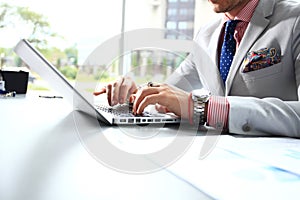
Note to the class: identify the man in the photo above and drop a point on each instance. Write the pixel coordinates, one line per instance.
(254, 76)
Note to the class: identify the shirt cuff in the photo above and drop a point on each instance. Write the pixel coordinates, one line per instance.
(218, 112)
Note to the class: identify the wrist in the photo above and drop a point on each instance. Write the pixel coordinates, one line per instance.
(200, 98)
(205, 110)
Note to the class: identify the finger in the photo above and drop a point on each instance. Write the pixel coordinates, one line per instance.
(141, 94)
(134, 91)
(109, 92)
(148, 100)
(131, 98)
(115, 91)
(133, 88)
(124, 90)
(101, 91)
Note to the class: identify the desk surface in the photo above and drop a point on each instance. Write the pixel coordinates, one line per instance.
(43, 157)
(49, 151)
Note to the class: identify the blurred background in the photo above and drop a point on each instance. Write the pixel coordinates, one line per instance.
(66, 32)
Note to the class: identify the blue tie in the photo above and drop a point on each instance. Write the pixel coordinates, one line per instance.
(228, 49)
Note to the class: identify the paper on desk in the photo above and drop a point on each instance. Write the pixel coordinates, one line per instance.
(226, 174)
(283, 153)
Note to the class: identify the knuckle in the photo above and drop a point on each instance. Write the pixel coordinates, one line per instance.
(115, 84)
(143, 92)
(147, 98)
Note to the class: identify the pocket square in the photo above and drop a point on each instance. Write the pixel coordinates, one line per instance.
(260, 59)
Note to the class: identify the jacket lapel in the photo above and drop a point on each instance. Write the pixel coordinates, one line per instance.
(257, 25)
(210, 74)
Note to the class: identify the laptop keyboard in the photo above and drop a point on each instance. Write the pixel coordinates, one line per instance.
(123, 115)
(116, 110)
(124, 110)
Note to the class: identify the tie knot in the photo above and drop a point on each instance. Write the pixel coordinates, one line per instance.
(230, 26)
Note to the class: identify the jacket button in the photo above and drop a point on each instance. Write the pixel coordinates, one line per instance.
(246, 128)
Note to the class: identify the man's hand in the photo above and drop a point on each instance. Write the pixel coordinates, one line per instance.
(118, 91)
(165, 97)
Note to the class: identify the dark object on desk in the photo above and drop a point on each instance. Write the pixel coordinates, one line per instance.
(15, 81)
(50, 97)
(4, 94)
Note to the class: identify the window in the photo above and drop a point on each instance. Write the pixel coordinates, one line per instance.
(183, 11)
(182, 25)
(172, 12)
(171, 25)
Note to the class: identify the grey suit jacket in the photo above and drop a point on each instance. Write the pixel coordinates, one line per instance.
(263, 95)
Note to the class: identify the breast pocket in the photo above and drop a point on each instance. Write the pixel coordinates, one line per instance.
(262, 63)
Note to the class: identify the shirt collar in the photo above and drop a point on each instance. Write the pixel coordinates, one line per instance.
(246, 13)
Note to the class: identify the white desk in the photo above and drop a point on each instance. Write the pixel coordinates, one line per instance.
(48, 151)
(42, 157)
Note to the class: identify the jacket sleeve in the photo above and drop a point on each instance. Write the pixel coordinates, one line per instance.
(269, 116)
(186, 76)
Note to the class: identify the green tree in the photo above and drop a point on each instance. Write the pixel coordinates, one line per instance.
(36, 22)
(40, 32)
(72, 54)
(54, 55)
(6, 11)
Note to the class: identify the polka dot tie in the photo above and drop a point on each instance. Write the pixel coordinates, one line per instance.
(228, 49)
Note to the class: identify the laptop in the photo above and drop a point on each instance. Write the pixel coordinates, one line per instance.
(116, 115)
